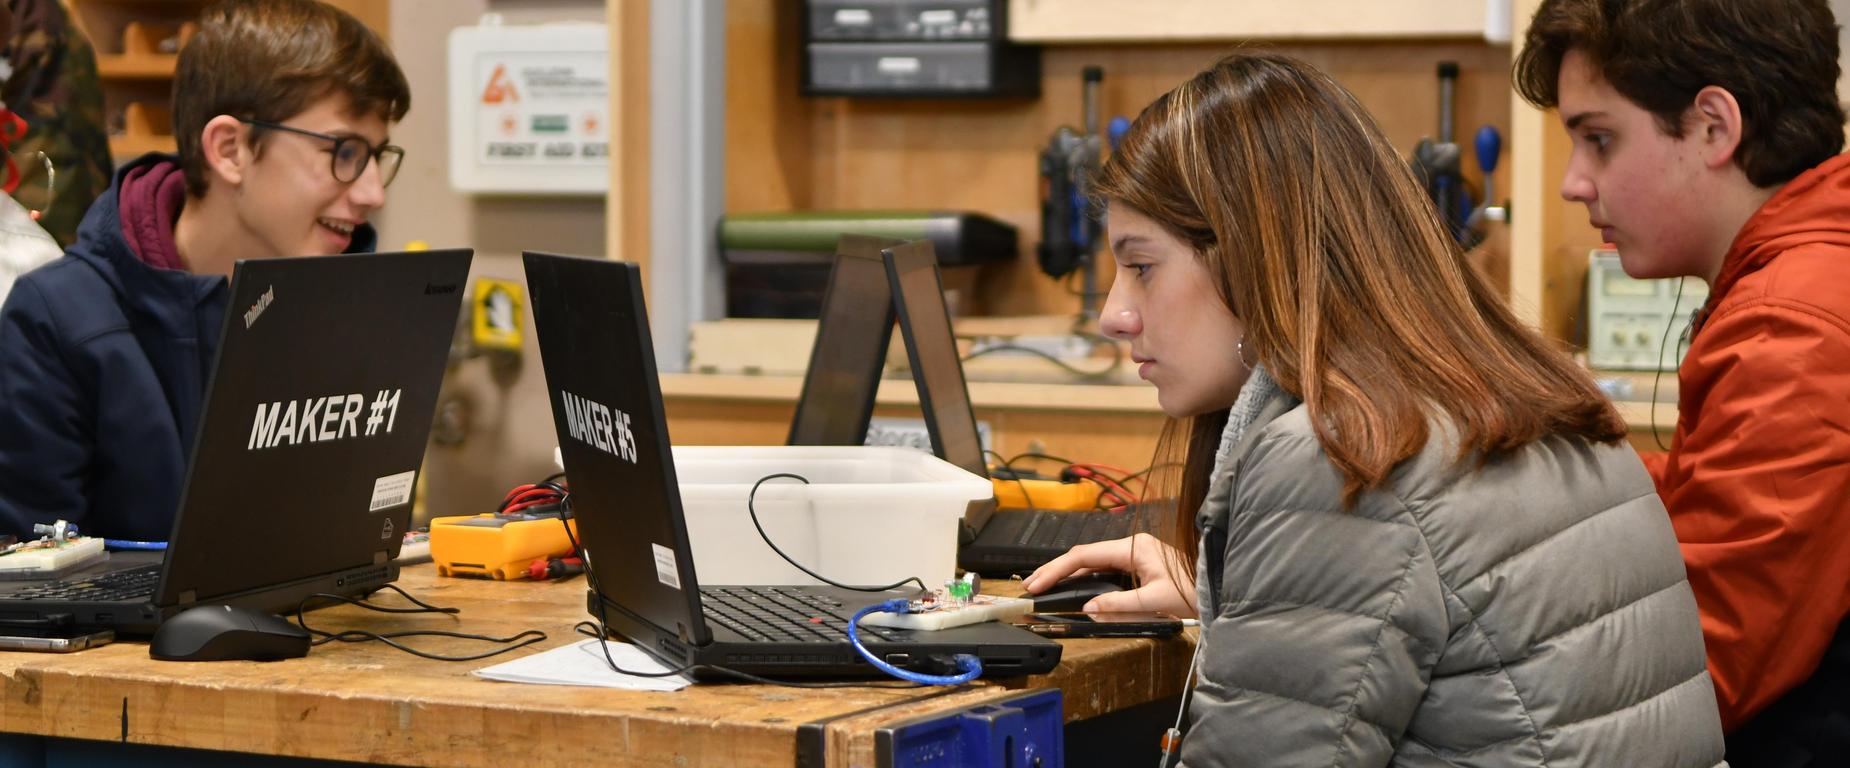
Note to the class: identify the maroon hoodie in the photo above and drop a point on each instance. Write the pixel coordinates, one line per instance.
(150, 201)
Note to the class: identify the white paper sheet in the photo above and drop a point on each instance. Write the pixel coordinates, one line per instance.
(583, 664)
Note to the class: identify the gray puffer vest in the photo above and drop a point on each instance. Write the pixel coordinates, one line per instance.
(1532, 612)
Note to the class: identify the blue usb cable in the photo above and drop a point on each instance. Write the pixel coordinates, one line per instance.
(126, 544)
(64, 530)
(969, 666)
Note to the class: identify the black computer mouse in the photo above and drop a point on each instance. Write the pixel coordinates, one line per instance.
(225, 633)
(1073, 592)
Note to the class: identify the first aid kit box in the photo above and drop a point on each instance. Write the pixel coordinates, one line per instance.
(530, 108)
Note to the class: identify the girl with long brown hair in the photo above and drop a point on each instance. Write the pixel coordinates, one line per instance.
(1415, 535)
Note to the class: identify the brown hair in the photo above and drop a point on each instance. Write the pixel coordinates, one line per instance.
(272, 59)
(1778, 58)
(1318, 238)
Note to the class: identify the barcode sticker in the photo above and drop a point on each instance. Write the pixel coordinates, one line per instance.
(392, 490)
(665, 570)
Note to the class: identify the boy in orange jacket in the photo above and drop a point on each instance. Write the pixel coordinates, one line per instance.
(1706, 138)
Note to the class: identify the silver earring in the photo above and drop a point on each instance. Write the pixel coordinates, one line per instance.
(1239, 353)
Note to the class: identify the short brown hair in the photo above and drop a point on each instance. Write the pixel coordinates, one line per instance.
(1354, 296)
(272, 59)
(1778, 58)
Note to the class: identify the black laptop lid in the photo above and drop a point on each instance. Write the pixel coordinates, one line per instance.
(607, 409)
(931, 349)
(837, 402)
(925, 325)
(315, 420)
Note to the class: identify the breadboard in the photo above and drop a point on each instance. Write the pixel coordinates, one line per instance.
(980, 609)
(43, 562)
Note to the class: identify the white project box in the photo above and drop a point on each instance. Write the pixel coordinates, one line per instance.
(868, 515)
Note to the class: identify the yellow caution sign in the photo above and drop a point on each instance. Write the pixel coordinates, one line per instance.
(497, 314)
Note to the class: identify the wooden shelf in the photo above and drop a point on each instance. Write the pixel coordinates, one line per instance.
(136, 66)
(1114, 21)
(1085, 398)
(125, 148)
(139, 36)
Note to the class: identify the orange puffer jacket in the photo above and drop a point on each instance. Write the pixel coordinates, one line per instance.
(1757, 481)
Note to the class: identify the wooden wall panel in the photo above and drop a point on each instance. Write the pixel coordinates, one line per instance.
(787, 152)
(1084, 20)
(626, 212)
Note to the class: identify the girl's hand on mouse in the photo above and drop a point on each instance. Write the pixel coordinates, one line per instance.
(1156, 566)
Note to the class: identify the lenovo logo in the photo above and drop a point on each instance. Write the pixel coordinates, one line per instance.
(256, 310)
(431, 289)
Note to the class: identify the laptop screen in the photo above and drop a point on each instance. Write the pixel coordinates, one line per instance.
(315, 422)
(601, 377)
(926, 326)
(850, 350)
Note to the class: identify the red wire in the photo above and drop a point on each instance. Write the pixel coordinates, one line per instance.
(518, 508)
(518, 496)
(1085, 471)
(527, 496)
(1143, 481)
(1120, 471)
(1109, 486)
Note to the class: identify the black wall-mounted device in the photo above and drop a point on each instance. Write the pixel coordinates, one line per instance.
(915, 48)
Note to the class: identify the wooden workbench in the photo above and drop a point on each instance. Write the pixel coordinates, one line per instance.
(367, 702)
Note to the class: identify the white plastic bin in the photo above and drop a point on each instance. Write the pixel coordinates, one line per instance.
(868, 515)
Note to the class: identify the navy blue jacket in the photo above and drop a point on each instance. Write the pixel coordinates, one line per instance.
(103, 367)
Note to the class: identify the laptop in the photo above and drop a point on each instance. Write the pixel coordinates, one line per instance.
(873, 283)
(613, 435)
(303, 469)
(837, 401)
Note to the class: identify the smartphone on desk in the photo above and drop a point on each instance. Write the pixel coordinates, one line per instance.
(1105, 624)
(56, 641)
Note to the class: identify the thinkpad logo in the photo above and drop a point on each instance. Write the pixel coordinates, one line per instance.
(431, 289)
(256, 310)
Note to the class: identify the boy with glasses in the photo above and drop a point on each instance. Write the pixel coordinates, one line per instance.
(281, 115)
(1706, 139)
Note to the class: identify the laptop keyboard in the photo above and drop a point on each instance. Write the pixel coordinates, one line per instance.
(1048, 529)
(115, 586)
(783, 615)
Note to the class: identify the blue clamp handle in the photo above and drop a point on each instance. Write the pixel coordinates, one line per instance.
(1489, 146)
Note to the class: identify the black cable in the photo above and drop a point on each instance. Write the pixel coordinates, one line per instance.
(1104, 489)
(603, 616)
(1117, 355)
(751, 678)
(390, 638)
(1149, 469)
(1098, 501)
(1040, 456)
(1117, 359)
(751, 506)
(1020, 481)
(1658, 377)
(589, 629)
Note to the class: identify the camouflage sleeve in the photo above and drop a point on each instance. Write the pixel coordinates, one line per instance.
(54, 86)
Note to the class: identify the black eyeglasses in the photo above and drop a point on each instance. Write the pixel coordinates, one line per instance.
(351, 153)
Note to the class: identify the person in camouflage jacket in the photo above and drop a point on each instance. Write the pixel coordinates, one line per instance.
(53, 85)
